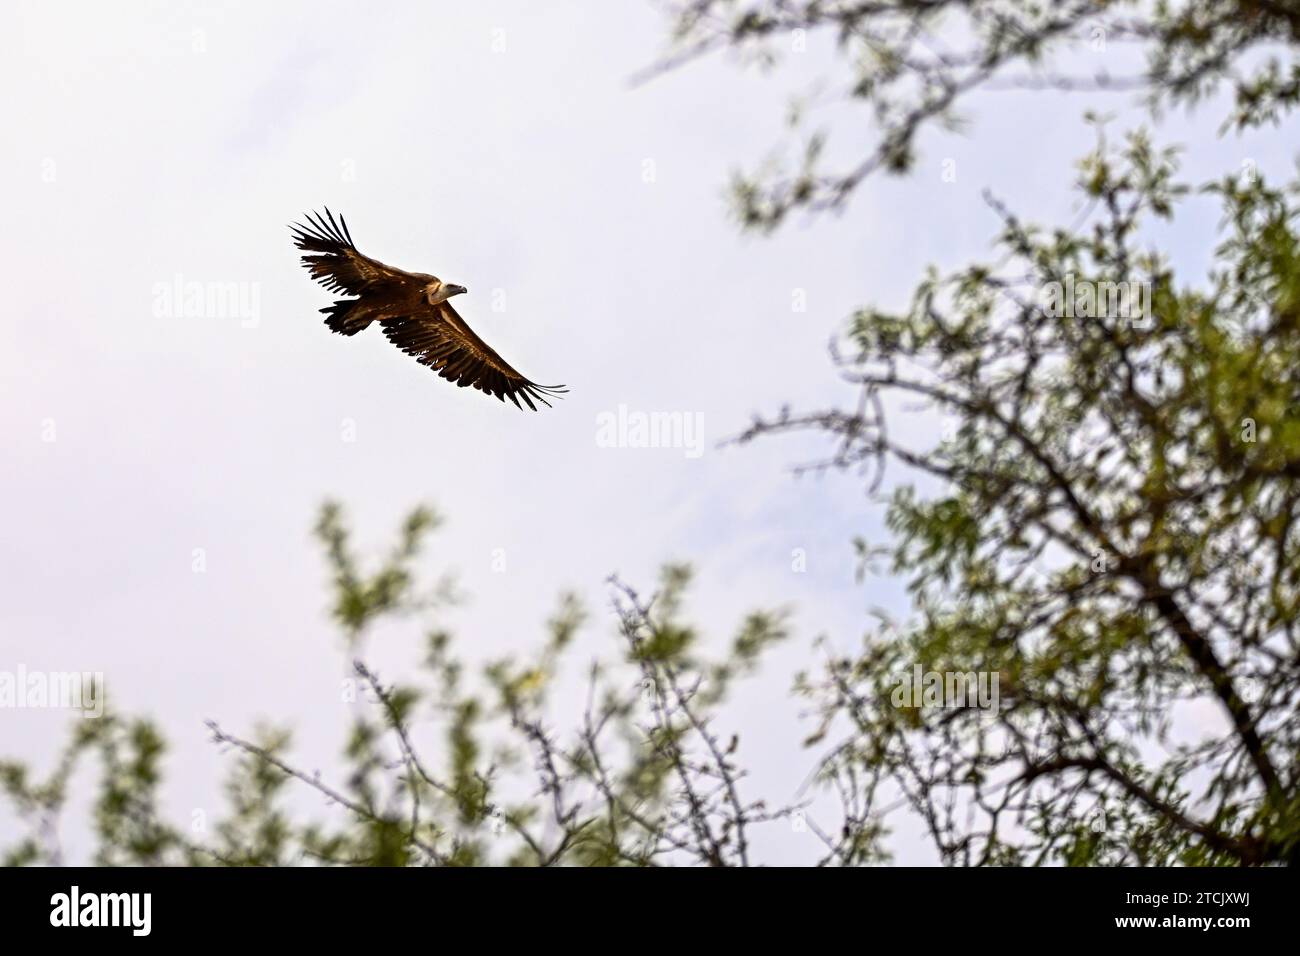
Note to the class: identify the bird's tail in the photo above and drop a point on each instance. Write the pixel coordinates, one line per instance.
(346, 317)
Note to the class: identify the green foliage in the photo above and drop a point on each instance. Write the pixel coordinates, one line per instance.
(1116, 540)
(1114, 537)
(436, 772)
(911, 63)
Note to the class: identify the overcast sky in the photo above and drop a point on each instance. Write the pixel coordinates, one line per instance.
(497, 145)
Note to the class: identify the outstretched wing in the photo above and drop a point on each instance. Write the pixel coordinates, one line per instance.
(439, 338)
(337, 265)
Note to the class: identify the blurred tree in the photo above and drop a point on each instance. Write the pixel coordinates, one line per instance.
(645, 778)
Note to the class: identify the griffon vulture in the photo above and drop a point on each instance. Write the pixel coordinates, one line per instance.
(413, 310)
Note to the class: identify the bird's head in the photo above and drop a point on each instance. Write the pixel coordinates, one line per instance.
(439, 291)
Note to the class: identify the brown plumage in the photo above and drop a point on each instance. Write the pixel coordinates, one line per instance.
(412, 309)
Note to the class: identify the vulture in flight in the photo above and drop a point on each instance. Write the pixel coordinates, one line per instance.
(414, 311)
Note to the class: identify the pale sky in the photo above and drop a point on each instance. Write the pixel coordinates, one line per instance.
(498, 145)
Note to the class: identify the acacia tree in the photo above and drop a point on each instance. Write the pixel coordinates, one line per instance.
(912, 63)
(1116, 535)
(443, 770)
(1116, 539)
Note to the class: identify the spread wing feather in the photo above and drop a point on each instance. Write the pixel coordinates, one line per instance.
(337, 265)
(439, 338)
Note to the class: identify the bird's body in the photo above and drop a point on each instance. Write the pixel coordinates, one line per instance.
(413, 310)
